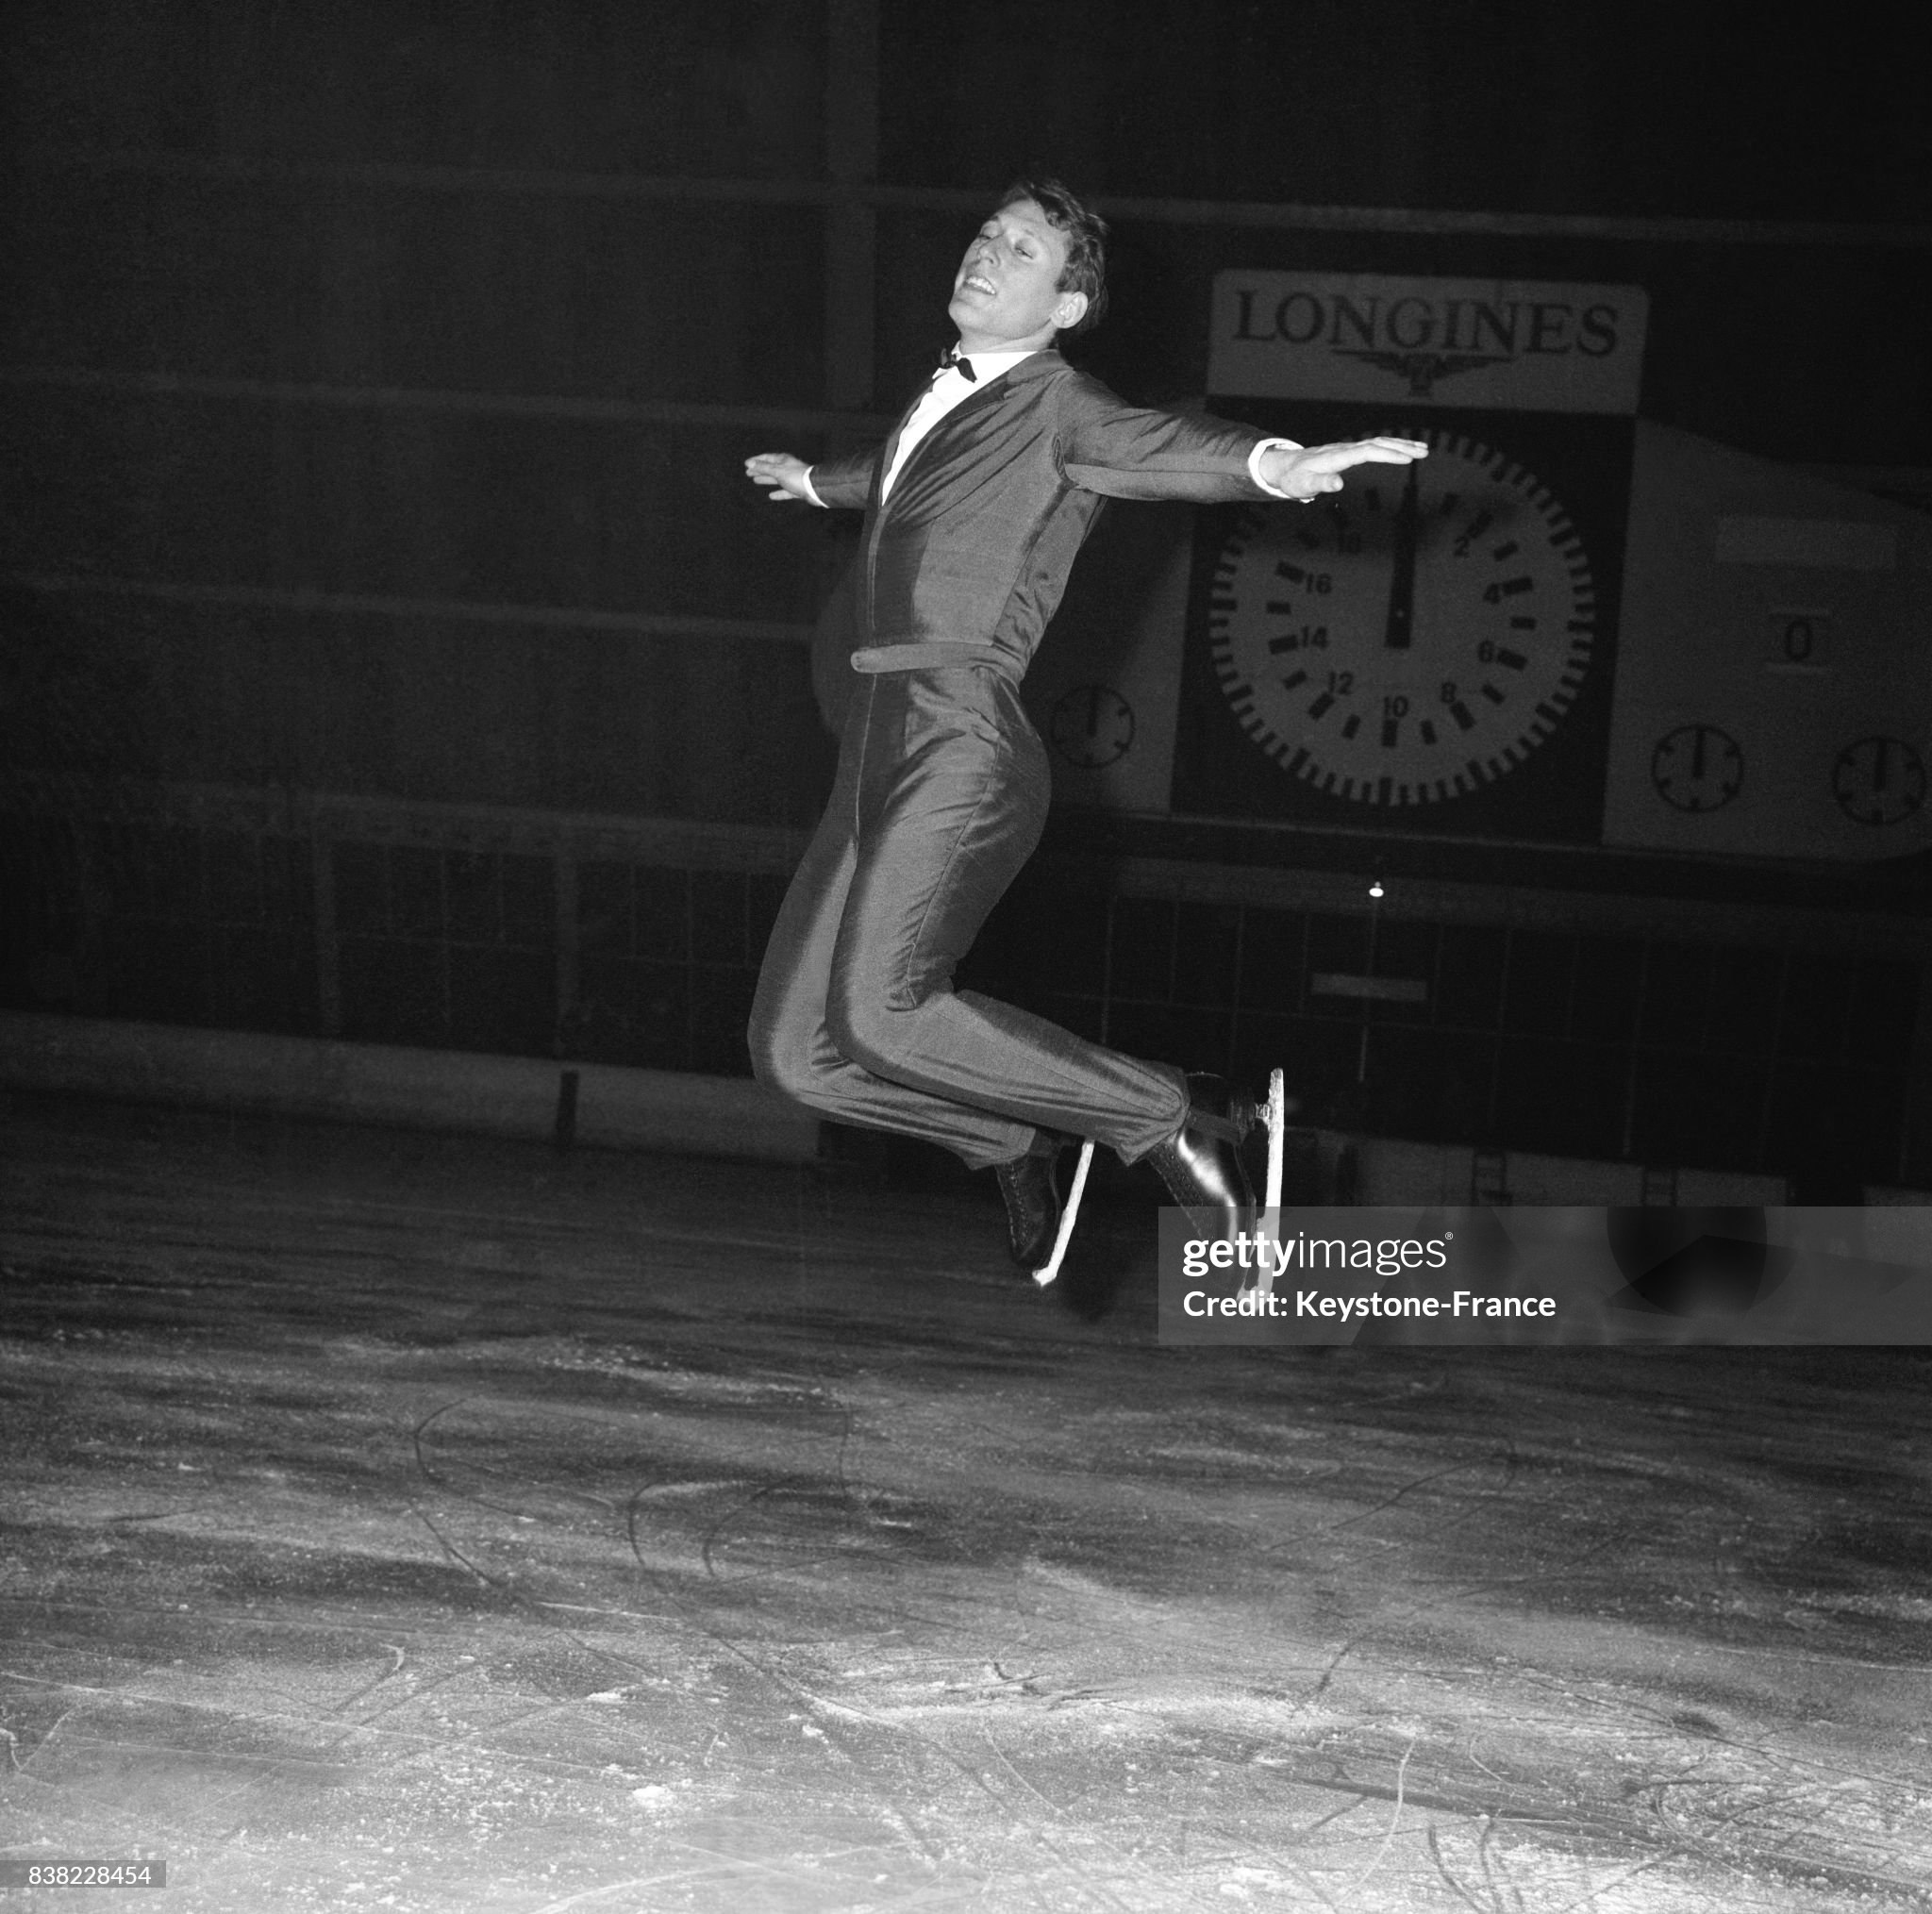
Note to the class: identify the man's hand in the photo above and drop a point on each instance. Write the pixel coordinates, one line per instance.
(1317, 468)
(782, 473)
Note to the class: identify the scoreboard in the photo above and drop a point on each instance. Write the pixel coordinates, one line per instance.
(1568, 624)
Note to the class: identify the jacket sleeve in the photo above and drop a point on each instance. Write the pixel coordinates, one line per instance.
(845, 482)
(1124, 451)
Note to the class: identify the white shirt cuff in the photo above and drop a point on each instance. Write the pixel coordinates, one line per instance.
(1254, 467)
(811, 491)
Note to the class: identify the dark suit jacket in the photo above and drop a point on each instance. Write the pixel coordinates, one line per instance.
(976, 543)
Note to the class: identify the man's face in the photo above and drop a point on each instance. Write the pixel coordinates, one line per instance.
(1008, 288)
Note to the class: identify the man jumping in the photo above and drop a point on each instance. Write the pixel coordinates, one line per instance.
(975, 508)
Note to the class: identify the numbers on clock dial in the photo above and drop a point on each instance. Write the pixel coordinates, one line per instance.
(1413, 638)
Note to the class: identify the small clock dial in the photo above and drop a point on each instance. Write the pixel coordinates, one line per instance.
(1413, 638)
(1878, 780)
(1697, 768)
(1092, 726)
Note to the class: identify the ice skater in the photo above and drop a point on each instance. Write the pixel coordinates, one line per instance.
(975, 508)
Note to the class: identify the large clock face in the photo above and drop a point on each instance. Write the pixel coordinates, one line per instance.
(1412, 639)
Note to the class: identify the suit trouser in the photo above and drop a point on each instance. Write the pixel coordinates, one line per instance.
(941, 796)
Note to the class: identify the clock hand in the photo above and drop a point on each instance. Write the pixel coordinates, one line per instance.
(1400, 628)
(1697, 751)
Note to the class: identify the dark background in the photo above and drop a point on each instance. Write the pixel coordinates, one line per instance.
(394, 649)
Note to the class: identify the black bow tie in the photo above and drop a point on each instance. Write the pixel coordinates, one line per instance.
(950, 360)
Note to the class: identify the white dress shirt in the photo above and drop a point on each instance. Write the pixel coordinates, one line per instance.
(949, 387)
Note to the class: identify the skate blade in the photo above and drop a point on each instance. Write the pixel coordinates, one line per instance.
(1049, 1270)
(1275, 1113)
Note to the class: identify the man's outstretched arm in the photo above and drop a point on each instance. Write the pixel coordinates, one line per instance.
(1125, 451)
(844, 481)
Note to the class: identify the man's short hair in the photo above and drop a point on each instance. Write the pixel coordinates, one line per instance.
(1085, 233)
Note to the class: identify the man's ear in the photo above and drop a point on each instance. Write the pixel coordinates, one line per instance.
(1070, 310)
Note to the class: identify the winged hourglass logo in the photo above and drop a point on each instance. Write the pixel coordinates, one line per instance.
(1423, 369)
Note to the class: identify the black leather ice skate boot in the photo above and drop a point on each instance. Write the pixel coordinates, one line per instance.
(1030, 1188)
(1040, 1220)
(1201, 1163)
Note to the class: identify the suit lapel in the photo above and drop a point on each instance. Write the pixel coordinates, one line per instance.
(989, 394)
